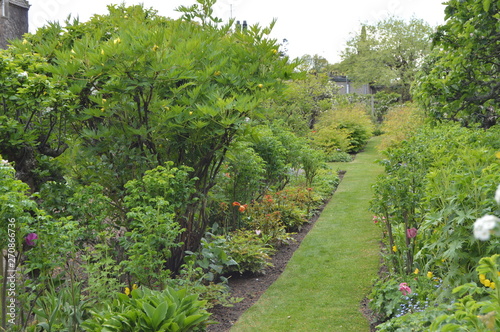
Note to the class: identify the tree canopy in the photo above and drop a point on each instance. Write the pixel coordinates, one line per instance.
(460, 79)
(387, 53)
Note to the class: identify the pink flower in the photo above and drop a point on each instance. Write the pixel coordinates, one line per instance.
(30, 239)
(404, 288)
(411, 233)
(257, 232)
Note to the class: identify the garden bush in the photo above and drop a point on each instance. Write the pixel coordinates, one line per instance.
(248, 249)
(351, 121)
(437, 183)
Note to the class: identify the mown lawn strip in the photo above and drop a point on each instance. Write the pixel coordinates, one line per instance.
(332, 271)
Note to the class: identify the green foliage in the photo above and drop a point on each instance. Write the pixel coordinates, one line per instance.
(149, 310)
(304, 100)
(388, 301)
(244, 173)
(464, 88)
(349, 122)
(129, 91)
(339, 156)
(387, 52)
(249, 251)
(439, 182)
(35, 111)
(61, 310)
(312, 161)
(400, 123)
(478, 308)
(152, 230)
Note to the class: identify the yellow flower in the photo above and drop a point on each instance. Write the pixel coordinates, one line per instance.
(155, 48)
(487, 282)
(497, 154)
(260, 86)
(417, 271)
(127, 291)
(482, 278)
(217, 73)
(117, 40)
(394, 248)
(492, 285)
(134, 286)
(102, 52)
(26, 42)
(275, 51)
(429, 274)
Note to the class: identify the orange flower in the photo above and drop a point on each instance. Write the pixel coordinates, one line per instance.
(242, 208)
(236, 204)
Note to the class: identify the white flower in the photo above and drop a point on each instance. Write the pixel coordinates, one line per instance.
(483, 227)
(497, 195)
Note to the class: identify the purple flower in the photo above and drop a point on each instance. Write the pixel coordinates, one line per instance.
(411, 233)
(30, 239)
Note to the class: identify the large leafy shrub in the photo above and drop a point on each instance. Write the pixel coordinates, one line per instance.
(349, 120)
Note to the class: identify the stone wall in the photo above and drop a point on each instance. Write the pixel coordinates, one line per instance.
(13, 20)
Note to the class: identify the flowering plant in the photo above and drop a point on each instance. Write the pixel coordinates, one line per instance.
(486, 225)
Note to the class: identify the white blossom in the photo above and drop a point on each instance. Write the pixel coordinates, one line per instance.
(483, 227)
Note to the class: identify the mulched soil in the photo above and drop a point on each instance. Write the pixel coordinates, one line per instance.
(251, 287)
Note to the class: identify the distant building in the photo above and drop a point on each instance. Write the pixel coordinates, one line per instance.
(13, 20)
(347, 86)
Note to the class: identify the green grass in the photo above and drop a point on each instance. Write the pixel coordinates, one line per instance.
(333, 269)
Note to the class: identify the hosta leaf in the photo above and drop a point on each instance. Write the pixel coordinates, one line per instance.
(159, 314)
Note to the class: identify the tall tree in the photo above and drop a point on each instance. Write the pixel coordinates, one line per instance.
(314, 64)
(460, 80)
(388, 53)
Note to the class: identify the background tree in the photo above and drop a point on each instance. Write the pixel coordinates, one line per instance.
(388, 53)
(314, 64)
(304, 100)
(460, 79)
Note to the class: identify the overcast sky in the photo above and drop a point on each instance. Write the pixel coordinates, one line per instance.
(310, 26)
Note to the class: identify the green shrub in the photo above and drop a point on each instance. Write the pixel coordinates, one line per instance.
(249, 251)
(351, 121)
(149, 310)
(339, 156)
(331, 139)
(60, 310)
(152, 231)
(242, 177)
(388, 298)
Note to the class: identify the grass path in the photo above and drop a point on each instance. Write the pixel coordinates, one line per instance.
(332, 271)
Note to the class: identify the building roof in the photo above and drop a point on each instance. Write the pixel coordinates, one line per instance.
(20, 3)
